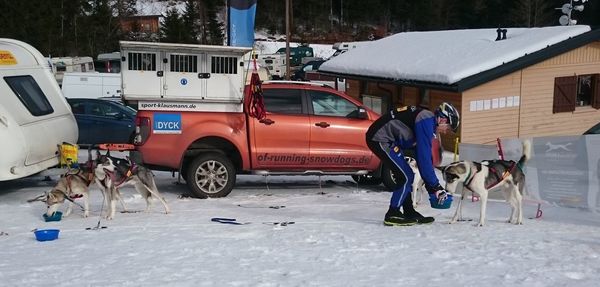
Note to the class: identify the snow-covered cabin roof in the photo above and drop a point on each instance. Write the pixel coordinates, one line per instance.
(448, 57)
(155, 7)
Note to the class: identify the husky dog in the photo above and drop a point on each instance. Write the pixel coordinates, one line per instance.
(112, 173)
(418, 184)
(482, 177)
(72, 185)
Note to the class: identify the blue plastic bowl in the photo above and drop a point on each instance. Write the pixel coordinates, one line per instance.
(46, 234)
(434, 202)
(56, 216)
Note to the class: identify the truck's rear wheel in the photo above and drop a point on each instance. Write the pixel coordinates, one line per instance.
(388, 177)
(367, 179)
(211, 175)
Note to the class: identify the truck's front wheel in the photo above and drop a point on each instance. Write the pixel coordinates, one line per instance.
(211, 175)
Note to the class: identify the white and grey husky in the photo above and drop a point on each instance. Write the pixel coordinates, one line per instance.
(112, 173)
(485, 176)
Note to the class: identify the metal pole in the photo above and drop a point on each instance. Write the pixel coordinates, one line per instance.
(287, 40)
(227, 27)
(342, 12)
(331, 15)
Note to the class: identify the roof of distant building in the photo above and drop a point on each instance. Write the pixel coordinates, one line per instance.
(457, 59)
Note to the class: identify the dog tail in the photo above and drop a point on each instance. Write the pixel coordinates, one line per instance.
(526, 153)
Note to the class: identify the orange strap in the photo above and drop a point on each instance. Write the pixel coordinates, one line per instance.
(118, 147)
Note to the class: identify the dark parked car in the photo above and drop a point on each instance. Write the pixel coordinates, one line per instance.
(300, 75)
(595, 130)
(103, 121)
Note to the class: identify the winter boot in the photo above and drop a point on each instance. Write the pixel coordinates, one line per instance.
(411, 213)
(414, 215)
(394, 217)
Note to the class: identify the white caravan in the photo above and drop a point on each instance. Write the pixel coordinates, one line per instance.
(34, 116)
(275, 63)
(92, 85)
(343, 47)
(63, 65)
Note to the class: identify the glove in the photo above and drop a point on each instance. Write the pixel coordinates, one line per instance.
(440, 193)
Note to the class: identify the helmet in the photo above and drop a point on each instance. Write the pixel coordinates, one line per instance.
(449, 112)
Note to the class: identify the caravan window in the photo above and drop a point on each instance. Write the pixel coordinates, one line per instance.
(30, 94)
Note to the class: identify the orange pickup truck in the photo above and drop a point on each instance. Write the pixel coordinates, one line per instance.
(193, 118)
(309, 129)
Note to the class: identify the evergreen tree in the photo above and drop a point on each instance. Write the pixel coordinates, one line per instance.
(102, 29)
(192, 22)
(531, 13)
(172, 29)
(215, 35)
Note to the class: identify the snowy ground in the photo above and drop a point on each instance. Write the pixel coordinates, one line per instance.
(337, 239)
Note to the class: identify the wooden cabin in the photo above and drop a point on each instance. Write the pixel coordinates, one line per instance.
(545, 82)
(141, 23)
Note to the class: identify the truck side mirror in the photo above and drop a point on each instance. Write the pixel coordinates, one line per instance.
(362, 113)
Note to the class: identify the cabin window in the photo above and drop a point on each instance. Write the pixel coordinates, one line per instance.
(141, 61)
(30, 94)
(283, 101)
(424, 97)
(576, 91)
(374, 103)
(223, 65)
(184, 63)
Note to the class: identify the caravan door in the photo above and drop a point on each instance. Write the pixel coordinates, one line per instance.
(182, 75)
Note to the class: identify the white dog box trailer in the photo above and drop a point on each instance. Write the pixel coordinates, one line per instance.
(34, 116)
(188, 76)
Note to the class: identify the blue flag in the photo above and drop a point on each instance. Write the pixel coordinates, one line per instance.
(241, 22)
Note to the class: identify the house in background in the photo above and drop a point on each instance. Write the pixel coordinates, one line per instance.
(141, 26)
(513, 82)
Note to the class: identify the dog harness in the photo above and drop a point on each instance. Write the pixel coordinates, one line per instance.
(505, 174)
(500, 176)
(69, 192)
(112, 174)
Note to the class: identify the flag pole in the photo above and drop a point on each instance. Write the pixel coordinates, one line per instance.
(228, 22)
(287, 40)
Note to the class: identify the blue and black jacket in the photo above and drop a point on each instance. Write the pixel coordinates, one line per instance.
(409, 128)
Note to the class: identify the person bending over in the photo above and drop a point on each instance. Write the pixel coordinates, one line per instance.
(410, 128)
